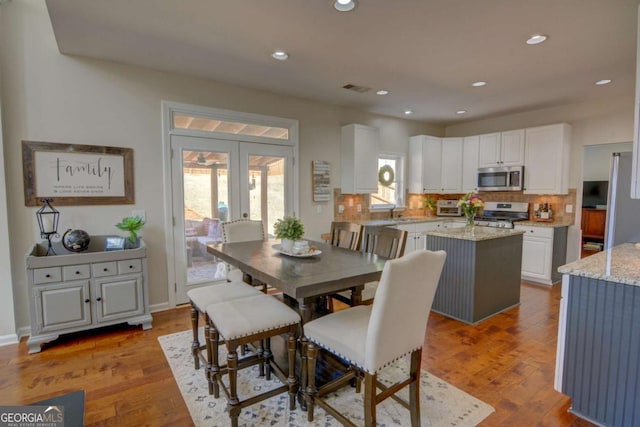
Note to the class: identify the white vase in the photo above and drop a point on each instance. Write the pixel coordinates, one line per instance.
(286, 245)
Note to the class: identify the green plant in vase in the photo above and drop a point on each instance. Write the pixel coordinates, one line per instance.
(429, 205)
(289, 229)
(132, 224)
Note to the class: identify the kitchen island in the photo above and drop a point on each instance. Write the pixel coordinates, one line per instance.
(481, 276)
(598, 354)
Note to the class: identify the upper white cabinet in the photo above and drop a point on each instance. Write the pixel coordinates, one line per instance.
(502, 149)
(547, 159)
(435, 164)
(470, 151)
(360, 149)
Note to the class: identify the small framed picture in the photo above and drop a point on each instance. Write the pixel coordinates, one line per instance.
(114, 243)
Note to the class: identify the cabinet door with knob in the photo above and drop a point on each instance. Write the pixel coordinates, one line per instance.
(62, 305)
(502, 149)
(118, 298)
(435, 164)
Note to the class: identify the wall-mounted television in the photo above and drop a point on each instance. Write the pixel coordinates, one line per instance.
(594, 193)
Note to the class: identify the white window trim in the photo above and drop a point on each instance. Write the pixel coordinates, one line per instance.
(402, 159)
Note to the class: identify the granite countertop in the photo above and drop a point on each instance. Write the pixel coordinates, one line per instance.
(479, 233)
(619, 264)
(410, 220)
(545, 224)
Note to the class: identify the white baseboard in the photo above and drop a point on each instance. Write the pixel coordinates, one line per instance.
(160, 307)
(8, 339)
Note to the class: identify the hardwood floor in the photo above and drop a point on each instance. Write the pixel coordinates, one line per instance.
(507, 361)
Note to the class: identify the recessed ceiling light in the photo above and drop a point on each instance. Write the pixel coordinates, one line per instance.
(280, 55)
(461, 112)
(382, 92)
(344, 5)
(536, 39)
(407, 112)
(478, 84)
(603, 82)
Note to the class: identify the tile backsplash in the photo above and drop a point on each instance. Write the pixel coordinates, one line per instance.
(415, 203)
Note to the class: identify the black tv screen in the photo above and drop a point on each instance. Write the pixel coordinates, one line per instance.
(594, 193)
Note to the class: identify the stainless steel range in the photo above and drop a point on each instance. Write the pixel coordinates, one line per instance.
(502, 214)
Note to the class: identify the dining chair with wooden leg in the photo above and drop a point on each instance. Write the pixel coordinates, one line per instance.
(382, 241)
(370, 337)
(200, 298)
(345, 235)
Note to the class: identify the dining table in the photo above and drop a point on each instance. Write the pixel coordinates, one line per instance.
(324, 270)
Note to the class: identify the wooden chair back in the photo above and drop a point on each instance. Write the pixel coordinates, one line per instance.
(345, 235)
(384, 241)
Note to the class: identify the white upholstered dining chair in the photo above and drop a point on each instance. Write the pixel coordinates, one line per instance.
(242, 230)
(371, 337)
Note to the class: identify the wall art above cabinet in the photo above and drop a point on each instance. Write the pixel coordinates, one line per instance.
(359, 151)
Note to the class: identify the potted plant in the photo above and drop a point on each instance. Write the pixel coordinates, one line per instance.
(132, 224)
(429, 206)
(289, 229)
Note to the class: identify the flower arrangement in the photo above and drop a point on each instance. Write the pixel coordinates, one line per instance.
(288, 228)
(470, 203)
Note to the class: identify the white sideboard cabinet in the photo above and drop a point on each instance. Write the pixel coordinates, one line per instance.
(72, 292)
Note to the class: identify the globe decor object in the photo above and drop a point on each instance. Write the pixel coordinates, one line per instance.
(76, 240)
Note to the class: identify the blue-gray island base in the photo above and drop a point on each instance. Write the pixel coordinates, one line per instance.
(481, 276)
(598, 355)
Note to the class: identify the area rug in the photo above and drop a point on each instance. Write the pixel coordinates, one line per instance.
(441, 404)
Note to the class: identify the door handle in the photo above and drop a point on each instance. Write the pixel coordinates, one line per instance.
(245, 215)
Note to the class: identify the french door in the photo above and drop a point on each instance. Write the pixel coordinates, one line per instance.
(218, 180)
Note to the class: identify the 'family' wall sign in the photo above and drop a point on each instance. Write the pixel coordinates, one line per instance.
(77, 174)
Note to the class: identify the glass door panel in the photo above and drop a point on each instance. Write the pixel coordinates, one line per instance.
(201, 194)
(266, 170)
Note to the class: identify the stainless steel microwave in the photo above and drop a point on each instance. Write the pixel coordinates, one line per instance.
(502, 178)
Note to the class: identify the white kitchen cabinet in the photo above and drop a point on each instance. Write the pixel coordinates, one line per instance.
(359, 154)
(435, 164)
(416, 238)
(543, 251)
(470, 152)
(502, 149)
(72, 292)
(547, 159)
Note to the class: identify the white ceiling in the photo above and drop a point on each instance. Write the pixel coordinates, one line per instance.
(426, 52)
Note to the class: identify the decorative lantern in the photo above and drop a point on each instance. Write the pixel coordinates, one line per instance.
(48, 217)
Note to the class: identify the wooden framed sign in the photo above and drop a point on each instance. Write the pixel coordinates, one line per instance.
(74, 174)
(321, 175)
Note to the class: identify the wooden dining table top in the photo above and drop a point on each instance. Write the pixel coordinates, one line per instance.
(333, 270)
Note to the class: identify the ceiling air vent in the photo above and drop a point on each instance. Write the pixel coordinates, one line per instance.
(355, 88)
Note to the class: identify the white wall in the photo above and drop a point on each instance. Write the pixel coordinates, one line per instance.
(56, 98)
(7, 321)
(597, 160)
(601, 122)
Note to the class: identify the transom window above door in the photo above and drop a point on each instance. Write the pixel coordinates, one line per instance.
(183, 121)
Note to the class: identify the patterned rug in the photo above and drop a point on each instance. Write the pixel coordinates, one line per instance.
(441, 404)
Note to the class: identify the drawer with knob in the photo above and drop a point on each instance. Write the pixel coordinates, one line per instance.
(46, 275)
(129, 266)
(103, 269)
(76, 272)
